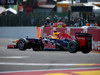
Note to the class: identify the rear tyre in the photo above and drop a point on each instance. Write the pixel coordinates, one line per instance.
(22, 45)
(72, 47)
(36, 48)
(85, 50)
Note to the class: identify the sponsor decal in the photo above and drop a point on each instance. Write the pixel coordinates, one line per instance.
(96, 45)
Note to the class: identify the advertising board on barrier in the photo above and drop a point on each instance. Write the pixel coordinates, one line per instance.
(96, 45)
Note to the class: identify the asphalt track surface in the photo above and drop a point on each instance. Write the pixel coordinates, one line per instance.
(29, 62)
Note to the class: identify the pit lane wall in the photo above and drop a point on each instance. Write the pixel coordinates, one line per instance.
(72, 30)
(18, 32)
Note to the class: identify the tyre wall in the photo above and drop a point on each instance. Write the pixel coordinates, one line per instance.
(72, 30)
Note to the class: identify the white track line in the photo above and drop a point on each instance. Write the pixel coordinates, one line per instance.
(45, 64)
(13, 57)
(36, 64)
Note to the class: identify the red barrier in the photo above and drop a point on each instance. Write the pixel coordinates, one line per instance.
(75, 30)
(96, 38)
(47, 31)
(95, 33)
(64, 30)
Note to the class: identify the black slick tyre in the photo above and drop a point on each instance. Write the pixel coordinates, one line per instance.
(85, 50)
(72, 47)
(22, 45)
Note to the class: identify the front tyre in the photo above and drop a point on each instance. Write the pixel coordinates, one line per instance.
(22, 45)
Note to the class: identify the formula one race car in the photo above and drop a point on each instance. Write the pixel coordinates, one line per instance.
(82, 42)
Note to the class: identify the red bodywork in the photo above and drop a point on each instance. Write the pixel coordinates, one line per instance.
(81, 41)
(11, 46)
